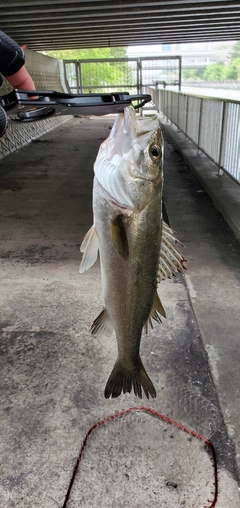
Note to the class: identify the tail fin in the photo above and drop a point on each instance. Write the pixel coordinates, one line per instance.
(123, 380)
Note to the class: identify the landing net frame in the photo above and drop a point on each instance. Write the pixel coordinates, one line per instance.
(162, 417)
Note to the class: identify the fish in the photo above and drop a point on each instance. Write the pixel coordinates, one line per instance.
(137, 248)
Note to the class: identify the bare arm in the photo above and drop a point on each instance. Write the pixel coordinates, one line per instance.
(12, 64)
(21, 80)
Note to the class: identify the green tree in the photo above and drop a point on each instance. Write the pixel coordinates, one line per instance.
(98, 74)
(219, 71)
(192, 74)
(80, 54)
(215, 72)
(233, 70)
(236, 51)
(118, 52)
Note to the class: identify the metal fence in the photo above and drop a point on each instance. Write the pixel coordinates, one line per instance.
(213, 125)
(125, 74)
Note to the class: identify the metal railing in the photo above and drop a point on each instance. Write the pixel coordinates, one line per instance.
(213, 125)
(125, 74)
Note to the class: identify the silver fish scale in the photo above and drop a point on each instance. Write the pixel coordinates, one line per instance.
(127, 206)
(129, 285)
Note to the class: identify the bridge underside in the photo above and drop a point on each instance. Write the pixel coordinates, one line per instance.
(80, 24)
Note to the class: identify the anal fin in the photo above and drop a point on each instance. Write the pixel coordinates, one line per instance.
(102, 323)
(155, 312)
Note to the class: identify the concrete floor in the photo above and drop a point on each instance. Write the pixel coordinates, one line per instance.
(53, 373)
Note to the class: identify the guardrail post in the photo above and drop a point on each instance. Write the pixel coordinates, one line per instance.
(77, 75)
(139, 80)
(180, 74)
(178, 111)
(167, 112)
(200, 125)
(186, 124)
(80, 77)
(156, 96)
(160, 102)
(221, 143)
(65, 76)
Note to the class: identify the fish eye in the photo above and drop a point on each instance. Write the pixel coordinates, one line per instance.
(155, 151)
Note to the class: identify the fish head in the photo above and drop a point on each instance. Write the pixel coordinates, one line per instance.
(146, 146)
(129, 162)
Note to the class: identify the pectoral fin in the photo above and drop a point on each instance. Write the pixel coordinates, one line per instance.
(119, 237)
(171, 260)
(89, 247)
(155, 312)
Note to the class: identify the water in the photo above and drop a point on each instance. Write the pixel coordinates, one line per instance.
(213, 92)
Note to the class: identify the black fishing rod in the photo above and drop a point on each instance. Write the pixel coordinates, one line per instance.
(21, 106)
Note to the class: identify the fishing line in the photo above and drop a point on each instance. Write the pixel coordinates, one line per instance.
(167, 419)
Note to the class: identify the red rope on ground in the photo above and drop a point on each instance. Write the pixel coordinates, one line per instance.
(160, 416)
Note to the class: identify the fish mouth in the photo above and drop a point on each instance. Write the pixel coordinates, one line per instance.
(152, 179)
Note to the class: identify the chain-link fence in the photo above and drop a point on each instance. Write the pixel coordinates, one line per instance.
(123, 74)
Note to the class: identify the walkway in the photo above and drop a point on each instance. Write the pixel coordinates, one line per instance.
(53, 373)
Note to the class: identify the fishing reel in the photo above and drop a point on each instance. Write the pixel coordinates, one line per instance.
(21, 106)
